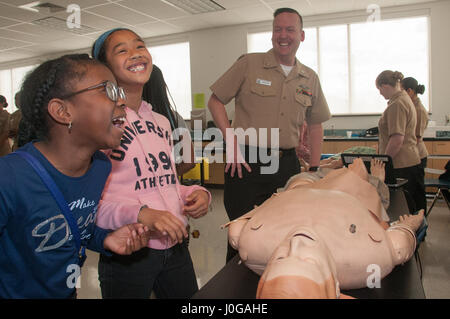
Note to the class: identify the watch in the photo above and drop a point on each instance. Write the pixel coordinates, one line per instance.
(313, 169)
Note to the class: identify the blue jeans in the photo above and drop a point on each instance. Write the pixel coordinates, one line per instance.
(170, 273)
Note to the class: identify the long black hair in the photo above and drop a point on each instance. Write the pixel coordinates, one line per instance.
(411, 83)
(155, 93)
(51, 79)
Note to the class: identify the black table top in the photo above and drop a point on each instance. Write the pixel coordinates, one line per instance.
(236, 281)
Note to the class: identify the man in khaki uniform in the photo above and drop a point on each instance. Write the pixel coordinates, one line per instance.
(4, 127)
(273, 92)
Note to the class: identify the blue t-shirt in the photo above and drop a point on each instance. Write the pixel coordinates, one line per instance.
(38, 255)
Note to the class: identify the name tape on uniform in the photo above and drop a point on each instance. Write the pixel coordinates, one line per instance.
(264, 82)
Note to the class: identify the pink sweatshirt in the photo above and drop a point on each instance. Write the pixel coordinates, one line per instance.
(137, 179)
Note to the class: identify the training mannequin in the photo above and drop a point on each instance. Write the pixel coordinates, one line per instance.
(320, 235)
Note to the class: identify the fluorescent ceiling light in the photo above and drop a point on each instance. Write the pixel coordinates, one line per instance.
(43, 7)
(195, 6)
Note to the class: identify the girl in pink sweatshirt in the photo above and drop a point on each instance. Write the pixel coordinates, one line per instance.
(143, 186)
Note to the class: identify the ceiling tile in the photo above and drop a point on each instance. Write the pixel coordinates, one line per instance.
(5, 22)
(120, 14)
(30, 38)
(153, 29)
(189, 23)
(17, 54)
(158, 9)
(93, 20)
(150, 18)
(32, 29)
(231, 4)
(7, 44)
(13, 12)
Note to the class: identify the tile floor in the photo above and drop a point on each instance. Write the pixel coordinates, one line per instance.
(209, 250)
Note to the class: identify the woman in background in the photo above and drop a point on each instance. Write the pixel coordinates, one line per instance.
(397, 136)
(412, 87)
(5, 148)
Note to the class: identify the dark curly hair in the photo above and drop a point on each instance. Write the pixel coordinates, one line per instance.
(51, 79)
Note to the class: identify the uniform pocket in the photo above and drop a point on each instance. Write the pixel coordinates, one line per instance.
(303, 99)
(263, 90)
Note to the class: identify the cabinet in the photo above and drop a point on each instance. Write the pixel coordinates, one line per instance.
(216, 169)
(334, 147)
(214, 151)
(437, 148)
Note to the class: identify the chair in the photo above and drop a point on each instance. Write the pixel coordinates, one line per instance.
(199, 172)
(389, 180)
(440, 185)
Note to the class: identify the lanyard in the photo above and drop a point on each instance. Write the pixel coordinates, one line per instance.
(57, 195)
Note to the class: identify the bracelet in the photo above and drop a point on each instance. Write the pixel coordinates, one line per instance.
(313, 169)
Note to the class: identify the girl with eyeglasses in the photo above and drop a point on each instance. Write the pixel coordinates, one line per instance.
(143, 186)
(71, 109)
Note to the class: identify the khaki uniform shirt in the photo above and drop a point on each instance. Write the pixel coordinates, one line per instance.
(400, 118)
(266, 98)
(422, 122)
(4, 130)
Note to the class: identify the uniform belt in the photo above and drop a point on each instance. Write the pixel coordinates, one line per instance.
(281, 152)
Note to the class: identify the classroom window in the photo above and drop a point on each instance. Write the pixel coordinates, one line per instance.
(174, 62)
(349, 57)
(11, 82)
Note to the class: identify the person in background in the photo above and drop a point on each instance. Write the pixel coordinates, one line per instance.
(5, 148)
(74, 108)
(397, 136)
(412, 87)
(271, 90)
(155, 92)
(14, 122)
(143, 186)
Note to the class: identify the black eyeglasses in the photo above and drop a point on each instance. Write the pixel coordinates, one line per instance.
(113, 92)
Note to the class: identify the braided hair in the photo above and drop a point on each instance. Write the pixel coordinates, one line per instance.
(51, 79)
